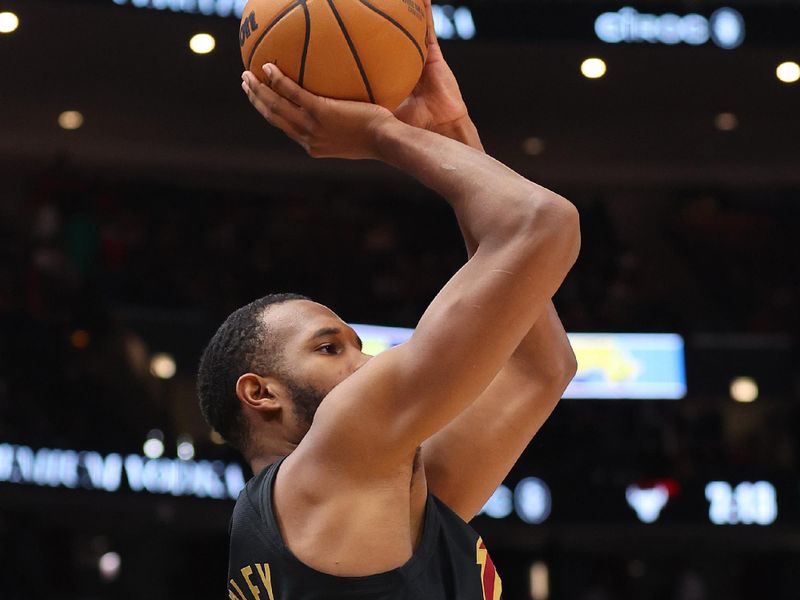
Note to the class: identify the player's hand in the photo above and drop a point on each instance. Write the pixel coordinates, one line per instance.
(324, 127)
(436, 100)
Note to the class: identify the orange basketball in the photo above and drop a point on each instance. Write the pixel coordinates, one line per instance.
(368, 50)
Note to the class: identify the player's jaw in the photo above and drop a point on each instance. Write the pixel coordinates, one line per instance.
(337, 361)
(318, 351)
(328, 352)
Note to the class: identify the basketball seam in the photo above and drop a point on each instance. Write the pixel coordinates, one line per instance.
(398, 25)
(305, 44)
(352, 50)
(282, 14)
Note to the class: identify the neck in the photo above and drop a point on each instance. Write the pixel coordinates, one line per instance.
(259, 463)
(262, 454)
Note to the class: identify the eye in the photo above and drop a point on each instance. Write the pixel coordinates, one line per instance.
(328, 348)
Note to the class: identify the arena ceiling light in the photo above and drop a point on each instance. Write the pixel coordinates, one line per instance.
(788, 72)
(8, 22)
(109, 566)
(70, 120)
(744, 389)
(163, 366)
(593, 68)
(202, 43)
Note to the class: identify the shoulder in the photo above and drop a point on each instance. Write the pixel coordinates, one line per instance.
(342, 525)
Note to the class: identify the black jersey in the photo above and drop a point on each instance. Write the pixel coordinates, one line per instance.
(450, 563)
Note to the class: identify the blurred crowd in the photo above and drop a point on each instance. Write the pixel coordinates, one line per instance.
(98, 274)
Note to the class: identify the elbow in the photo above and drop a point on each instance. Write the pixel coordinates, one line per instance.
(560, 218)
(570, 366)
(565, 363)
(559, 379)
(551, 375)
(569, 229)
(565, 369)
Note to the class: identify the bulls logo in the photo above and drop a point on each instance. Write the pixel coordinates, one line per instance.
(490, 580)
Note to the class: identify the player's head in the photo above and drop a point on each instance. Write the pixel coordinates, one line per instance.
(269, 366)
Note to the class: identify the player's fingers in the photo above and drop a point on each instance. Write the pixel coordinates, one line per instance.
(431, 29)
(288, 88)
(267, 109)
(277, 105)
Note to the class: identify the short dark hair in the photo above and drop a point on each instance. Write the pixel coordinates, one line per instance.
(241, 345)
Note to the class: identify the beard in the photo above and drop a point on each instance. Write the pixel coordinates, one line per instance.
(305, 401)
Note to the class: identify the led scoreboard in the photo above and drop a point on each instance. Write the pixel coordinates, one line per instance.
(644, 366)
(715, 25)
(531, 500)
(754, 503)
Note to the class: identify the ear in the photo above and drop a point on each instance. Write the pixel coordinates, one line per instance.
(262, 394)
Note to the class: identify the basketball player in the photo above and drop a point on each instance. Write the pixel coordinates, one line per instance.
(367, 469)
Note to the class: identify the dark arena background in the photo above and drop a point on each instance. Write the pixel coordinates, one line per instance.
(142, 199)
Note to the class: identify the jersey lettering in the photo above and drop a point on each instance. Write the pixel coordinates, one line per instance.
(490, 580)
(264, 574)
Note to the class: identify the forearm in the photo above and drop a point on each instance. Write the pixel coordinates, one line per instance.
(489, 199)
(464, 131)
(545, 352)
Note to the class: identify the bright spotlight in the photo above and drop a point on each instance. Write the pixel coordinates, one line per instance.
(162, 365)
(726, 121)
(202, 43)
(788, 72)
(8, 22)
(154, 445)
(744, 389)
(185, 448)
(109, 565)
(593, 68)
(70, 119)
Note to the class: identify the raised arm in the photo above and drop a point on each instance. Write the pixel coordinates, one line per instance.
(528, 238)
(467, 459)
(471, 455)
